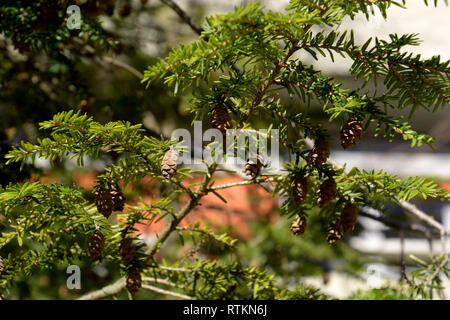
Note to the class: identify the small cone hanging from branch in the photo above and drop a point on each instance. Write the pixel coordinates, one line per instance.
(349, 216)
(96, 244)
(127, 250)
(254, 165)
(351, 132)
(298, 226)
(320, 152)
(326, 192)
(169, 163)
(300, 189)
(117, 197)
(134, 281)
(220, 119)
(104, 200)
(335, 233)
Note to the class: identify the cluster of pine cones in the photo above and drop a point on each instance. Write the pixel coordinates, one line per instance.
(326, 192)
(109, 199)
(350, 135)
(127, 251)
(347, 222)
(336, 229)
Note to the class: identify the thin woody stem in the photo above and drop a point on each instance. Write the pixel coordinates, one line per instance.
(186, 18)
(183, 15)
(166, 292)
(277, 70)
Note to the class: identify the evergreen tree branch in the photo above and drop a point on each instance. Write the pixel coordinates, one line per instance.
(429, 78)
(272, 78)
(377, 215)
(192, 203)
(330, 92)
(409, 207)
(278, 68)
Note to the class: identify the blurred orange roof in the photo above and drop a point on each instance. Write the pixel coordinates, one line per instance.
(244, 204)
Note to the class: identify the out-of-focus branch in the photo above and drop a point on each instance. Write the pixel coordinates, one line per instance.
(166, 292)
(186, 18)
(123, 65)
(404, 204)
(375, 214)
(160, 281)
(110, 290)
(240, 183)
(183, 15)
(423, 216)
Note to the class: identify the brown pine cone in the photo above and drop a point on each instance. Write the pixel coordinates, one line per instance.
(320, 152)
(220, 119)
(351, 132)
(253, 166)
(326, 192)
(169, 164)
(134, 281)
(117, 197)
(127, 250)
(299, 225)
(349, 216)
(104, 200)
(300, 189)
(96, 244)
(335, 233)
